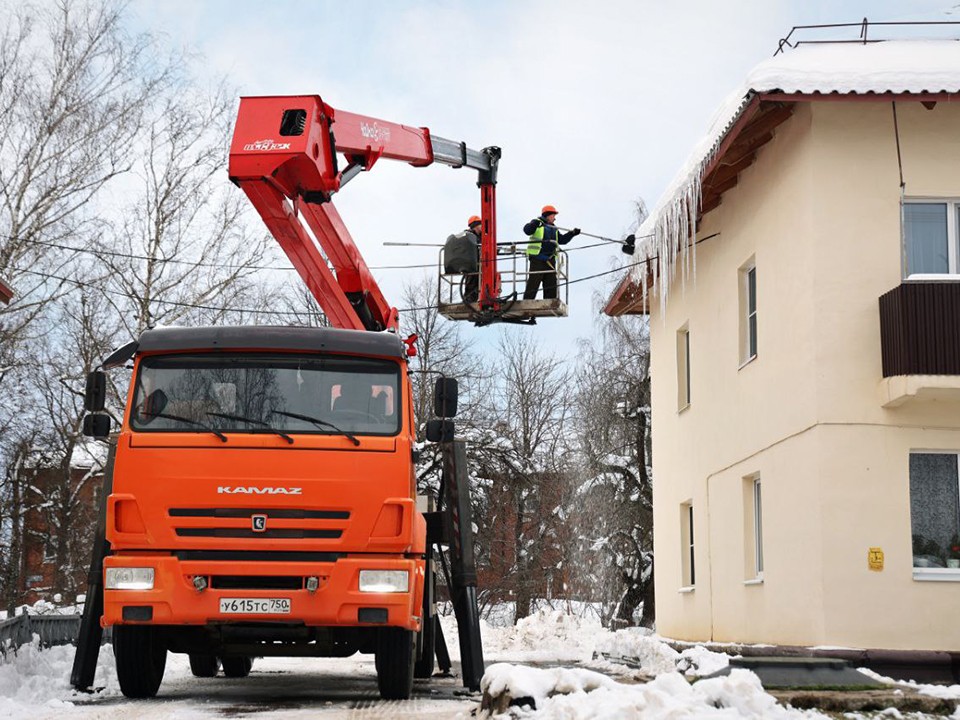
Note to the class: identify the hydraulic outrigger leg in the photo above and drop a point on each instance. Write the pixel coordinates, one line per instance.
(463, 588)
(91, 634)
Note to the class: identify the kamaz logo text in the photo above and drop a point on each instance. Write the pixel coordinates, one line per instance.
(375, 132)
(253, 490)
(266, 145)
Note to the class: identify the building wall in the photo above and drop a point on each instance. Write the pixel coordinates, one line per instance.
(819, 212)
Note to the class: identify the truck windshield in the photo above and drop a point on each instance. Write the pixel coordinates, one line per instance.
(225, 391)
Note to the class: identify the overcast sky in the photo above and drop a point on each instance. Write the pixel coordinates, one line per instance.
(595, 103)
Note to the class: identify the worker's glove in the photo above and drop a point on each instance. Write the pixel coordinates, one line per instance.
(576, 231)
(537, 221)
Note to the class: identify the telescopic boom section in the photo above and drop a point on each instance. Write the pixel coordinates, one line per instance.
(284, 157)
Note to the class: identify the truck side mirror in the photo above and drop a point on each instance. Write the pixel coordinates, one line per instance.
(440, 430)
(96, 425)
(95, 395)
(445, 395)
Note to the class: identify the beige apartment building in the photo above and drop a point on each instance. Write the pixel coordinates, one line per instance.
(806, 357)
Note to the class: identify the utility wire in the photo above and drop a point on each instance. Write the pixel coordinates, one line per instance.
(288, 313)
(80, 283)
(131, 256)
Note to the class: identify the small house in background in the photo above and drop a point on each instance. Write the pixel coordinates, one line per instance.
(6, 292)
(802, 278)
(56, 560)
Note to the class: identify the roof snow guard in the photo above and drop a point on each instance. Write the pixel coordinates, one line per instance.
(919, 70)
(6, 292)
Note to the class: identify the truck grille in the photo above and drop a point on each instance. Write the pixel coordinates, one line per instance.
(258, 556)
(283, 533)
(217, 530)
(285, 514)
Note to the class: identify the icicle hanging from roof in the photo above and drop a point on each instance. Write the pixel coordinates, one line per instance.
(668, 235)
(670, 247)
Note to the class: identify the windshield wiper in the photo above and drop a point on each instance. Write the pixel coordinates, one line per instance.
(189, 422)
(320, 423)
(261, 423)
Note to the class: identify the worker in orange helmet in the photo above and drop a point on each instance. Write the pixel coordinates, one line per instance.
(461, 254)
(542, 253)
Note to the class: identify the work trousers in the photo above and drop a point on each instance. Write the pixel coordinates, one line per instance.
(544, 271)
(471, 287)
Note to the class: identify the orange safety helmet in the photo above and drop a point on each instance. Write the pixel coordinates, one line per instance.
(547, 209)
(474, 219)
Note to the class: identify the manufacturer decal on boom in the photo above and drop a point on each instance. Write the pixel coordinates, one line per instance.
(253, 490)
(266, 145)
(375, 131)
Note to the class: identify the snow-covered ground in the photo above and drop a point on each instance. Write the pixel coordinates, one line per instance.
(554, 658)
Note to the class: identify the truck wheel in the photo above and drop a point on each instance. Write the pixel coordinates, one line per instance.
(236, 667)
(426, 647)
(204, 666)
(141, 654)
(395, 657)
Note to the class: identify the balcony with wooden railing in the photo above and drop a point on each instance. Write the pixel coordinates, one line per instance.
(920, 342)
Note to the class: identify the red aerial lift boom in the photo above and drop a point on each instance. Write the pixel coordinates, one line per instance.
(284, 156)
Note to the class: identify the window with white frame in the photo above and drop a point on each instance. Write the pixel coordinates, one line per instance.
(748, 312)
(683, 367)
(935, 509)
(752, 527)
(930, 235)
(688, 565)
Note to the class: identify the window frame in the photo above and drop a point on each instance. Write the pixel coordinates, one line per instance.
(688, 567)
(953, 239)
(683, 368)
(748, 325)
(758, 525)
(934, 574)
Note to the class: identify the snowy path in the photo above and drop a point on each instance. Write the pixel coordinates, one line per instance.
(276, 688)
(548, 656)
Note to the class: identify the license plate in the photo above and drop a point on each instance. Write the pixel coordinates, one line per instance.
(255, 606)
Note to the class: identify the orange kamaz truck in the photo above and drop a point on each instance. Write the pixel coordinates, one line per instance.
(261, 496)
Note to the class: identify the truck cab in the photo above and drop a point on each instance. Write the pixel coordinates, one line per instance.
(263, 503)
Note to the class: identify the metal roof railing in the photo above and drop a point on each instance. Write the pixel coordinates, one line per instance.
(864, 32)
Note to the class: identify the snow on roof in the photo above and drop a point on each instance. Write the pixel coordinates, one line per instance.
(88, 454)
(892, 66)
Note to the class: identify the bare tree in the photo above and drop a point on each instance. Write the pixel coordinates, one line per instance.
(86, 330)
(615, 521)
(522, 456)
(70, 107)
(82, 104)
(441, 350)
(183, 250)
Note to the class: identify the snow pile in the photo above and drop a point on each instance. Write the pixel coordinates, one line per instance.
(893, 66)
(944, 692)
(582, 695)
(32, 678)
(546, 634)
(656, 657)
(899, 66)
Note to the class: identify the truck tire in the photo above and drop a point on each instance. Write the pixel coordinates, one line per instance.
(395, 657)
(141, 654)
(236, 667)
(204, 666)
(426, 648)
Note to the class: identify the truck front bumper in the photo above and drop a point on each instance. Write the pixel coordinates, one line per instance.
(337, 601)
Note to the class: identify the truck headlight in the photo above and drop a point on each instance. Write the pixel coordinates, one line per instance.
(127, 578)
(384, 581)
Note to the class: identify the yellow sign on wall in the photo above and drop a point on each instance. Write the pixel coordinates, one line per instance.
(875, 558)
